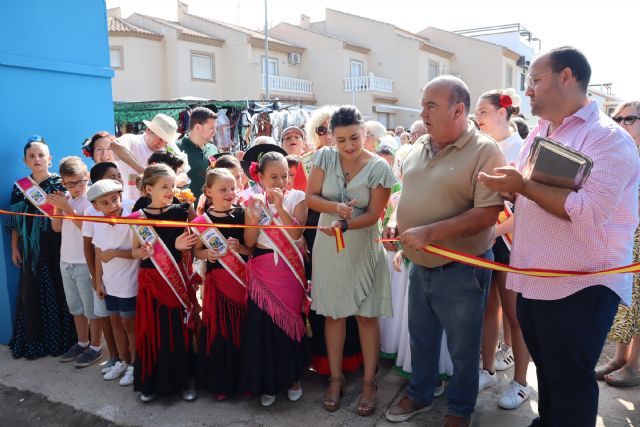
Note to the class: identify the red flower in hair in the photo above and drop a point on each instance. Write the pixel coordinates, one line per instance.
(86, 152)
(253, 171)
(505, 101)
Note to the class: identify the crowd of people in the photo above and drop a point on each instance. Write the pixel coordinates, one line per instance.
(240, 308)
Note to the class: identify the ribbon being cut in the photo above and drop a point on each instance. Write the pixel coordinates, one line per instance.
(438, 250)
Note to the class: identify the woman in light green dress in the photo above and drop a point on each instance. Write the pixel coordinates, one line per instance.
(350, 186)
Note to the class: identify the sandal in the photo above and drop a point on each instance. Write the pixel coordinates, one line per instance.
(603, 370)
(331, 401)
(623, 377)
(367, 406)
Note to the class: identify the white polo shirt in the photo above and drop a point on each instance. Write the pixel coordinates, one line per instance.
(141, 152)
(119, 275)
(71, 247)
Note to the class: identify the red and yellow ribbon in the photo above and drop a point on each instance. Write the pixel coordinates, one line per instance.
(536, 272)
(167, 223)
(340, 245)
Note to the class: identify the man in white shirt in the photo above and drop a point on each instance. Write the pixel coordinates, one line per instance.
(134, 150)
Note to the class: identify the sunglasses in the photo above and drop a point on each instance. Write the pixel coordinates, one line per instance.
(629, 120)
(322, 130)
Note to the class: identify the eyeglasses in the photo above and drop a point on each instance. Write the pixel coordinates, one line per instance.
(531, 78)
(629, 120)
(35, 138)
(74, 184)
(322, 130)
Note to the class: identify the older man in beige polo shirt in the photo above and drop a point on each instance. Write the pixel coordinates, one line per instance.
(443, 203)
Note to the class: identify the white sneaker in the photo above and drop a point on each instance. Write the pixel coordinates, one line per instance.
(295, 395)
(116, 371)
(267, 400)
(487, 379)
(504, 358)
(514, 395)
(127, 378)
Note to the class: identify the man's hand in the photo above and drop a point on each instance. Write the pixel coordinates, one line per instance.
(506, 180)
(416, 238)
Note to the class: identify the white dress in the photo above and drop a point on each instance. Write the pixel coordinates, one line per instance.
(391, 327)
(403, 360)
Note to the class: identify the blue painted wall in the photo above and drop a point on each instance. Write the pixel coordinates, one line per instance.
(55, 80)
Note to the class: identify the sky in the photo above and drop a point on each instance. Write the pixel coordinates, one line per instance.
(608, 35)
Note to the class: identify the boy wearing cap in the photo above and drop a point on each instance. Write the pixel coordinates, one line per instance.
(116, 273)
(292, 140)
(134, 150)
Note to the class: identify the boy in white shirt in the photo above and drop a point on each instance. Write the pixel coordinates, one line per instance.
(76, 277)
(116, 274)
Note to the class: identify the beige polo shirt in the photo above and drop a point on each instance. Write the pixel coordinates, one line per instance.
(444, 185)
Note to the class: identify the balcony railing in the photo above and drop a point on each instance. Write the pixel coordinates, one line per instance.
(365, 83)
(289, 85)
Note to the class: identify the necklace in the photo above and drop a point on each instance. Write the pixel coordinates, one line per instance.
(161, 209)
(222, 212)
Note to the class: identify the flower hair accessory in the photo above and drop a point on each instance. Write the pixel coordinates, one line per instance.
(86, 147)
(253, 171)
(212, 162)
(515, 98)
(505, 101)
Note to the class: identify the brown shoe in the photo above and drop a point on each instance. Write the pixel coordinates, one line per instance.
(404, 409)
(333, 394)
(455, 421)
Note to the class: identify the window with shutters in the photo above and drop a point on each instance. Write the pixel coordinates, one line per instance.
(202, 66)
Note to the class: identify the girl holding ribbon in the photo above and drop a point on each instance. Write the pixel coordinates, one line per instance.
(224, 306)
(274, 348)
(43, 325)
(166, 308)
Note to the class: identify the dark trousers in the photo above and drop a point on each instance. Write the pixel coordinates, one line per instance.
(565, 338)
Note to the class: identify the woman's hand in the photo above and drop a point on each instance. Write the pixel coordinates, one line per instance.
(345, 210)
(331, 230)
(185, 241)
(390, 233)
(234, 244)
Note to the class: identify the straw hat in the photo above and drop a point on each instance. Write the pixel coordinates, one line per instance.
(164, 127)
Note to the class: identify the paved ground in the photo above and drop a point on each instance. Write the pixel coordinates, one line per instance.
(46, 392)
